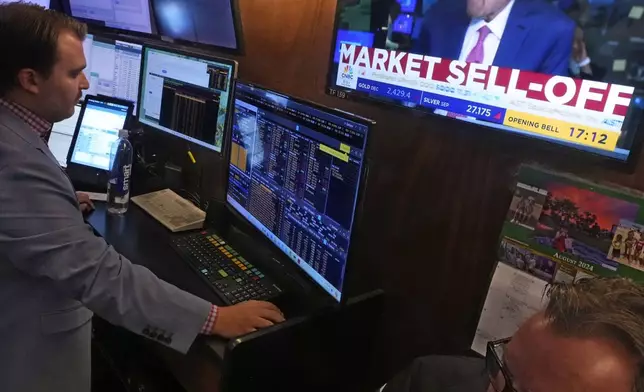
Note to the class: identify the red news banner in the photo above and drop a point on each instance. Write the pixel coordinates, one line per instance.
(579, 111)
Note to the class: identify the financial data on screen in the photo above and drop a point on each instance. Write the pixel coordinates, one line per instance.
(113, 67)
(566, 72)
(98, 131)
(295, 173)
(186, 96)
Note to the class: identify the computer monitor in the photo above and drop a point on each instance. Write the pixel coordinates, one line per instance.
(98, 126)
(130, 15)
(60, 139)
(113, 67)
(187, 95)
(296, 171)
(209, 22)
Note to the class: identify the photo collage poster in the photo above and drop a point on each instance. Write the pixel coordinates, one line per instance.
(558, 229)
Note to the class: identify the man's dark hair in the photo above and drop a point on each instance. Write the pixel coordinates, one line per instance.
(611, 308)
(29, 39)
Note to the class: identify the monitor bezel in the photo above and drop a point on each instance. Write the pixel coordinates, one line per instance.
(167, 47)
(542, 145)
(87, 174)
(349, 267)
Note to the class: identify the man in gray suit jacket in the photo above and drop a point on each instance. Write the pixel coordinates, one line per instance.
(54, 272)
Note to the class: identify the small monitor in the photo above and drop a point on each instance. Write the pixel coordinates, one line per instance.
(130, 15)
(113, 67)
(296, 172)
(187, 95)
(60, 139)
(98, 126)
(209, 22)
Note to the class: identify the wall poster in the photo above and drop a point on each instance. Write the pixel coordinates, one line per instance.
(559, 228)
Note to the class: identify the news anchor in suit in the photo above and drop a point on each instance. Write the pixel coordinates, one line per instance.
(529, 35)
(54, 272)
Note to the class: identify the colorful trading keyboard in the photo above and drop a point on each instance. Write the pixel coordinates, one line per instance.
(232, 277)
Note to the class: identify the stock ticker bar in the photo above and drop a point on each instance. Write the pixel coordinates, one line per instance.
(583, 112)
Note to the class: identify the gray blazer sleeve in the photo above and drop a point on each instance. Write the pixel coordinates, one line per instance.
(44, 235)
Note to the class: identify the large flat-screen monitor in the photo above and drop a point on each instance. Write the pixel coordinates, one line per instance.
(560, 71)
(296, 171)
(208, 22)
(187, 95)
(113, 67)
(129, 15)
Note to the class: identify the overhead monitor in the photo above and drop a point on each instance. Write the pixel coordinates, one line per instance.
(113, 67)
(296, 171)
(560, 72)
(129, 15)
(209, 22)
(187, 95)
(60, 139)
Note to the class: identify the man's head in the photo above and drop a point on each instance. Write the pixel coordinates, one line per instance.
(486, 9)
(589, 338)
(42, 60)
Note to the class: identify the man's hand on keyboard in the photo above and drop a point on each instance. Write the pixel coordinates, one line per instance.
(246, 317)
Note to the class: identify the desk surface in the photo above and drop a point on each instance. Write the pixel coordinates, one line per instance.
(144, 241)
(330, 346)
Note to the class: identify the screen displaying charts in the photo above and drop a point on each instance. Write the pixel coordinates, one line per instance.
(188, 96)
(549, 70)
(295, 174)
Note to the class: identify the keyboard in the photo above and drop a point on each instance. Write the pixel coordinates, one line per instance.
(231, 276)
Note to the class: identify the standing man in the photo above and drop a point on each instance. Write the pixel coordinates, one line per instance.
(529, 35)
(54, 272)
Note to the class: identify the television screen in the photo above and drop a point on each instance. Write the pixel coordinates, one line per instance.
(209, 22)
(570, 72)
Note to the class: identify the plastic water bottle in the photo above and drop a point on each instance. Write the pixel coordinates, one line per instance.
(118, 186)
